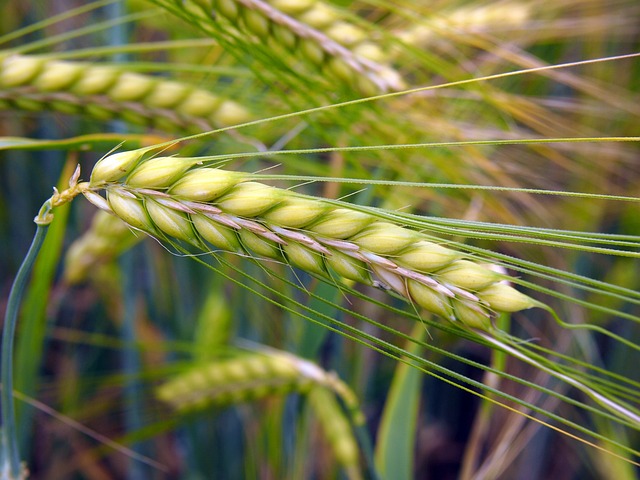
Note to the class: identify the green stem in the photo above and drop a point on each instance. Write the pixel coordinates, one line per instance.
(9, 438)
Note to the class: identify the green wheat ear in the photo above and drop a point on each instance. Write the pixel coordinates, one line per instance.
(181, 199)
(106, 92)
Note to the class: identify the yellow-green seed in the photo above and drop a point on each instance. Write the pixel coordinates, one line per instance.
(218, 235)
(348, 267)
(259, 245)
(172, 222)
(425, 256)
(341, 223)
(159, 172)
(304, 258)
(228, 8)
(204, 184)
(345, 33)
(468, 275)
(249, 199)
(199, 103)
(503, 298)
(95, 80)
(295, 212)
(429, 299)
(284, 36)
(311, 51)
(58, 76)
(229, 113)
(292, 7)
(17, 70)
(114, 167)
(130, 87)
(256, 22)
(370, 51)
(167, 94)
(385, 238)
(320, 16)
(472, 315)
(130, 210)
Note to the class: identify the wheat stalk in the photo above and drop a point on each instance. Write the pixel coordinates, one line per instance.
(104, 92)
(177, 198)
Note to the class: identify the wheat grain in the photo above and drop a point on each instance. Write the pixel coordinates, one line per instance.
(230, 211)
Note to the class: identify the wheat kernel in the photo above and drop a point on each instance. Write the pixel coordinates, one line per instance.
(171, 222)
(249, 199)
(348, 267)
(385, 238)
(292, 7)
(341, 223)
(58, 76)
(114, 167)
(229, 113)
(167, 94)
(311, 51)
(304, 258)
(259, 245)
(503, 298)
(228, 8)
(159, 172)
(130, 87)
(17, 70)
(256, 22)
(130, 210)
(425, 256)
(471, 315)
(345, 33)
(320, 16)
(295, 212)
(95, 80)
(217, 235)
(204, 184)
(428, 299)
(468, 275)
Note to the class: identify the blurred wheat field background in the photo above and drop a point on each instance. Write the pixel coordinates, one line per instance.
(424, 154)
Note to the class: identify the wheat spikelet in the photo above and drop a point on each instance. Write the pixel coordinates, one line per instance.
(37, 83)
(318, 32)
(209, 206)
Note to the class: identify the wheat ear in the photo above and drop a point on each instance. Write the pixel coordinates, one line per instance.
(177, 198)
(104, 92)
(251, 376)
(466, 20)
(314, 30)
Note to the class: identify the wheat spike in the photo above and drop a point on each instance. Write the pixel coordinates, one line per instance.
(251, 376)
(314, 30)
(230, 211)
(36, 83)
